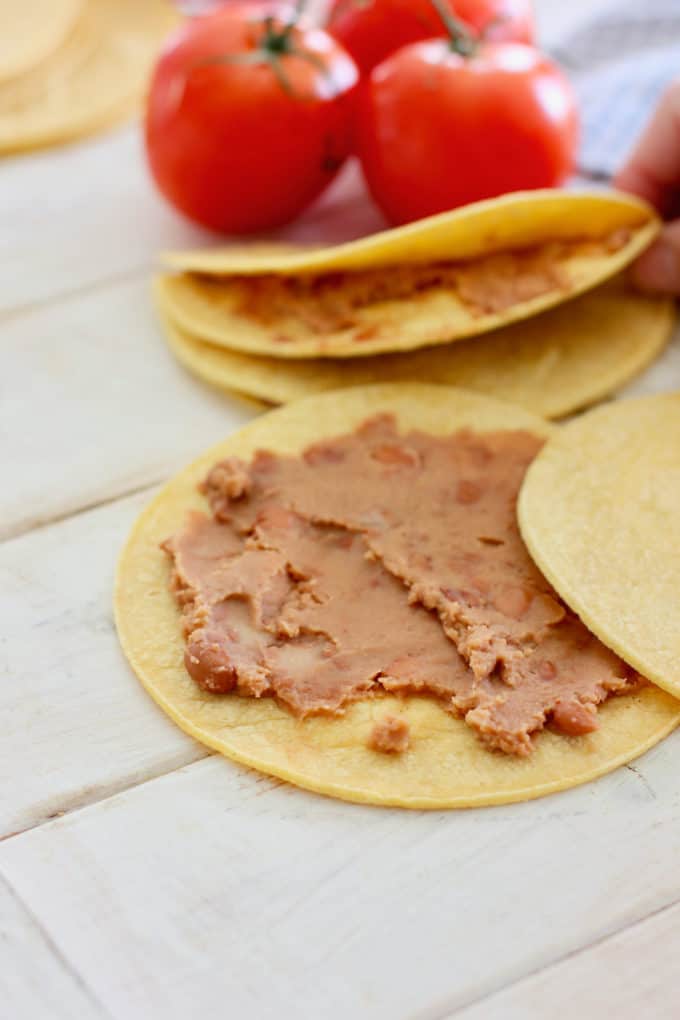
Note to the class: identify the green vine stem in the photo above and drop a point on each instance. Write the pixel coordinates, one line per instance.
(461, 39)
(275, 44)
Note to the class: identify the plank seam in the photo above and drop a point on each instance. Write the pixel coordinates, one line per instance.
(450, 1013)
(20, 311)
(113, 791)
(29, 525)
(55, 950)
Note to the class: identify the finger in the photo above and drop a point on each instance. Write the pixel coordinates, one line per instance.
(653, 168)
(657, 270)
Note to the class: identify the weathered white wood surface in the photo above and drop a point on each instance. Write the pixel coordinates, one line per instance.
(95, 406)
(76, 724)
(630, 975)
(35, 979)
(215, 886)
(177, 883)
(74, 216)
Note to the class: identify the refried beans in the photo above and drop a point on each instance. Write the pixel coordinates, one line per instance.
(378, 561)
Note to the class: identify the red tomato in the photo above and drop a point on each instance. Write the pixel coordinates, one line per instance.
(248, 120)
(438, 129)
(372, 29)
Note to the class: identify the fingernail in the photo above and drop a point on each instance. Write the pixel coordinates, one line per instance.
(658, 269)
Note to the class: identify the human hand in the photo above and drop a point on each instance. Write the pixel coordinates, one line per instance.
(653, 172)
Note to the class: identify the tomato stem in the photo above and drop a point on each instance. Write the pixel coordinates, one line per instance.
(461, 39)
(279, 40)
(276, 42)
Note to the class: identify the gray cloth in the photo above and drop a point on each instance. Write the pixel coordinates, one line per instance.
(620, 62)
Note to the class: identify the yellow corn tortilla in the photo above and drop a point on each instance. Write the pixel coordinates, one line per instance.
(31, 31)
(446, 766)
(552, 364)
(600, 513)
(206, 295)
(517, 220)
(94, 78)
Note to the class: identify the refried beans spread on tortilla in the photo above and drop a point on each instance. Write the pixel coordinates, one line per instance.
(380, 561)
(487, 285)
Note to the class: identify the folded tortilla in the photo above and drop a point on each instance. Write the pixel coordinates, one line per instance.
(446, 766)
(444, 278)
(599, 511)
(95, 77)
(552, 364)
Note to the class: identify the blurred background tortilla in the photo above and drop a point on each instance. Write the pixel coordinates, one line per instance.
(97, 75)
(32, 30)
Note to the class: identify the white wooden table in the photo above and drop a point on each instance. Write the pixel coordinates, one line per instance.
(143, 877)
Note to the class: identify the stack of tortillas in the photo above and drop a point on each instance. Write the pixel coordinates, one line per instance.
(71, 67)
(521, 297)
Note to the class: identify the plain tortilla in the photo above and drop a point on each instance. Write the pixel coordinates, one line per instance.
(94, 78)
(552, 364)
(600, 513)
(446, 766)
(518, 220)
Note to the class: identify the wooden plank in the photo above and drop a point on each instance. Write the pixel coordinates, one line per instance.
(36, 983)
(631, 975)
(95, 406)
(214, 888)
(76, 724)
(76, 215)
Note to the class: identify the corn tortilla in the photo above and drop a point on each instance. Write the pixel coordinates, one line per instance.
(31, 31)
(552, 364)
(599, 513)
(95, 78)
(209, 297)
(517, 220)
(446, 766)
